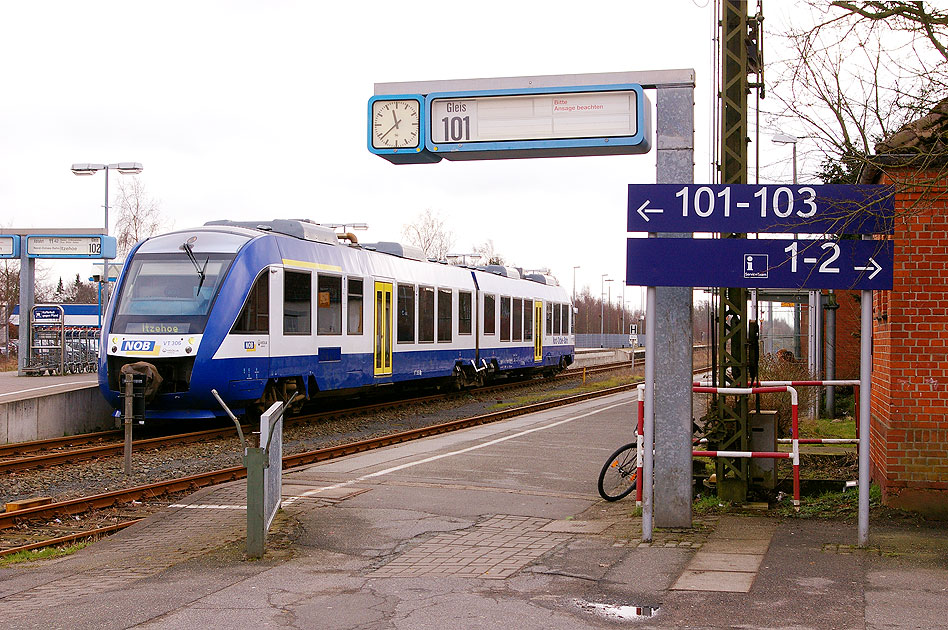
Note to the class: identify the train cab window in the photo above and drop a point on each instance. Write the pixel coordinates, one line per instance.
(517, 319)
(505, 319)
(297, 303)
(549, 318)
(564, 315)
(354, 307)
(406, 313)
(329, 311)
(527, 320)
(426, 314)
(572, 320)
(490, 314)
(444, 314)
(465, 310)
(556, 319)
(255, 316)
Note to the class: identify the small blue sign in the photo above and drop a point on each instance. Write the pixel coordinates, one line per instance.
(47, 314)
(760, 263)
(736, 208)
(9, 246)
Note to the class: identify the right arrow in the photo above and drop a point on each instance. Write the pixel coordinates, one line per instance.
(873, 265)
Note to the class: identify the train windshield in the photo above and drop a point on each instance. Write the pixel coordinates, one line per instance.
(169, 293)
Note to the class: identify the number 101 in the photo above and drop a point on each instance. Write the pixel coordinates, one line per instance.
(457, 128)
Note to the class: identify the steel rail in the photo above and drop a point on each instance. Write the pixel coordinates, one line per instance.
(115, 448)
(108, 499)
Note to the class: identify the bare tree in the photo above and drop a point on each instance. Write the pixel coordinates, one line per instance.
(858, 72)
(429, 233)
(139, 215)
(488, 253)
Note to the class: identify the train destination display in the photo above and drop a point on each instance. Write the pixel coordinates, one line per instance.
(811, 209)
(9, 246)
(61, 246)
(760, 263)
(592, 120)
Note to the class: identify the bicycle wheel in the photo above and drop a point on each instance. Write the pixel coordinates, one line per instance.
(619, 474)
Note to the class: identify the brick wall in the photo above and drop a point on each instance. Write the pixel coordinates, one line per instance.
(909, 436)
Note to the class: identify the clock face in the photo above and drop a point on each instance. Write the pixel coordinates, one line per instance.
(395, 124)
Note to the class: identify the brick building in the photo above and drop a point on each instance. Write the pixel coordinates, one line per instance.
(909, 436)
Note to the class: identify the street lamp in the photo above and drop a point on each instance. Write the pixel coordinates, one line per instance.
(782, 138)
(575, 267)
(125, 168)
(602, 305)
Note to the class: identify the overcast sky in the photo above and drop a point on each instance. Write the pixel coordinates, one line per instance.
(256, 110)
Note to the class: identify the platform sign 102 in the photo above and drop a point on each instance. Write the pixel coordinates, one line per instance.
(68, 246)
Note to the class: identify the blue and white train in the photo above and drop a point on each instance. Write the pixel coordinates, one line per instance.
(260, 310)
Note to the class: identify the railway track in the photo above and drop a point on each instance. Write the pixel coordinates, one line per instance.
(194, 482)
(52, 452)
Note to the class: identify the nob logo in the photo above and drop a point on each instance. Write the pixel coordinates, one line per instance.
(248, 346)
(138, 346)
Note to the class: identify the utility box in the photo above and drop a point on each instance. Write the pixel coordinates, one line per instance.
(762, 472)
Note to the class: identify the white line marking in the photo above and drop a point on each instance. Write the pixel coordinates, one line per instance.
(34, 389)
(343, 484)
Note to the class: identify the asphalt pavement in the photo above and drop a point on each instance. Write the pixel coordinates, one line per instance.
(499, 525)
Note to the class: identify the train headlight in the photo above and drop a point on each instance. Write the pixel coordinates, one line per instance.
(114, 349)
(188, 350)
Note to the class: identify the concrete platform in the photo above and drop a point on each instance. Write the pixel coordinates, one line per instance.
(496, 526)
(40, 407)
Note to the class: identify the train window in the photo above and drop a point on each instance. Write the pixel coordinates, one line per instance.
(527, 320)
(572, 320)
(505, 319)
(426, 314)
(465, 310)
(406, 313)
(564, 315)
(444, 314)
(354, 307)
(297, 303)
(490, 314)
(549, 318)
(556, 319)
(255, 316)
(517, 319)
(329, 311)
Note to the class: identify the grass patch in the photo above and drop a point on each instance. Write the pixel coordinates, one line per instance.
(830, 504)
(40, 554)
(828, 428)
(709, 504)
(538, 397)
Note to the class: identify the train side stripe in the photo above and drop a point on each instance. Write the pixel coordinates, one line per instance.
(311, 265)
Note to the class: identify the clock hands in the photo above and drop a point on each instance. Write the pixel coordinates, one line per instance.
(390, 129)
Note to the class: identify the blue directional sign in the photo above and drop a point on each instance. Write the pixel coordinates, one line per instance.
(760, 263)
(9, 246)
(817, 209)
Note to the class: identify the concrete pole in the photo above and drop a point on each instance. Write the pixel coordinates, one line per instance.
(670, 325)
(648, 429)
(27, 297)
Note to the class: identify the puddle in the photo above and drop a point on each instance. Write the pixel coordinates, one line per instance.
(617, 612)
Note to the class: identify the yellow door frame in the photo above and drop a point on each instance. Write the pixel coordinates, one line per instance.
(382, 339)
(537, 330)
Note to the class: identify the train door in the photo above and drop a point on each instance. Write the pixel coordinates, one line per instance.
(382, 352)
(538, 330)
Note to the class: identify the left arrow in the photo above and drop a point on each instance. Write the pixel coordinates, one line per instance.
(644, 213)
(873, 266)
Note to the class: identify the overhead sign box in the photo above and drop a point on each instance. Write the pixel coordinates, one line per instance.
(9, 246)
(817, 209)
(760, 263)
(62, 246)
(540, 122)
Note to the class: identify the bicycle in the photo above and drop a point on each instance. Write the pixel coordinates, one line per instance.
(619, 475)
